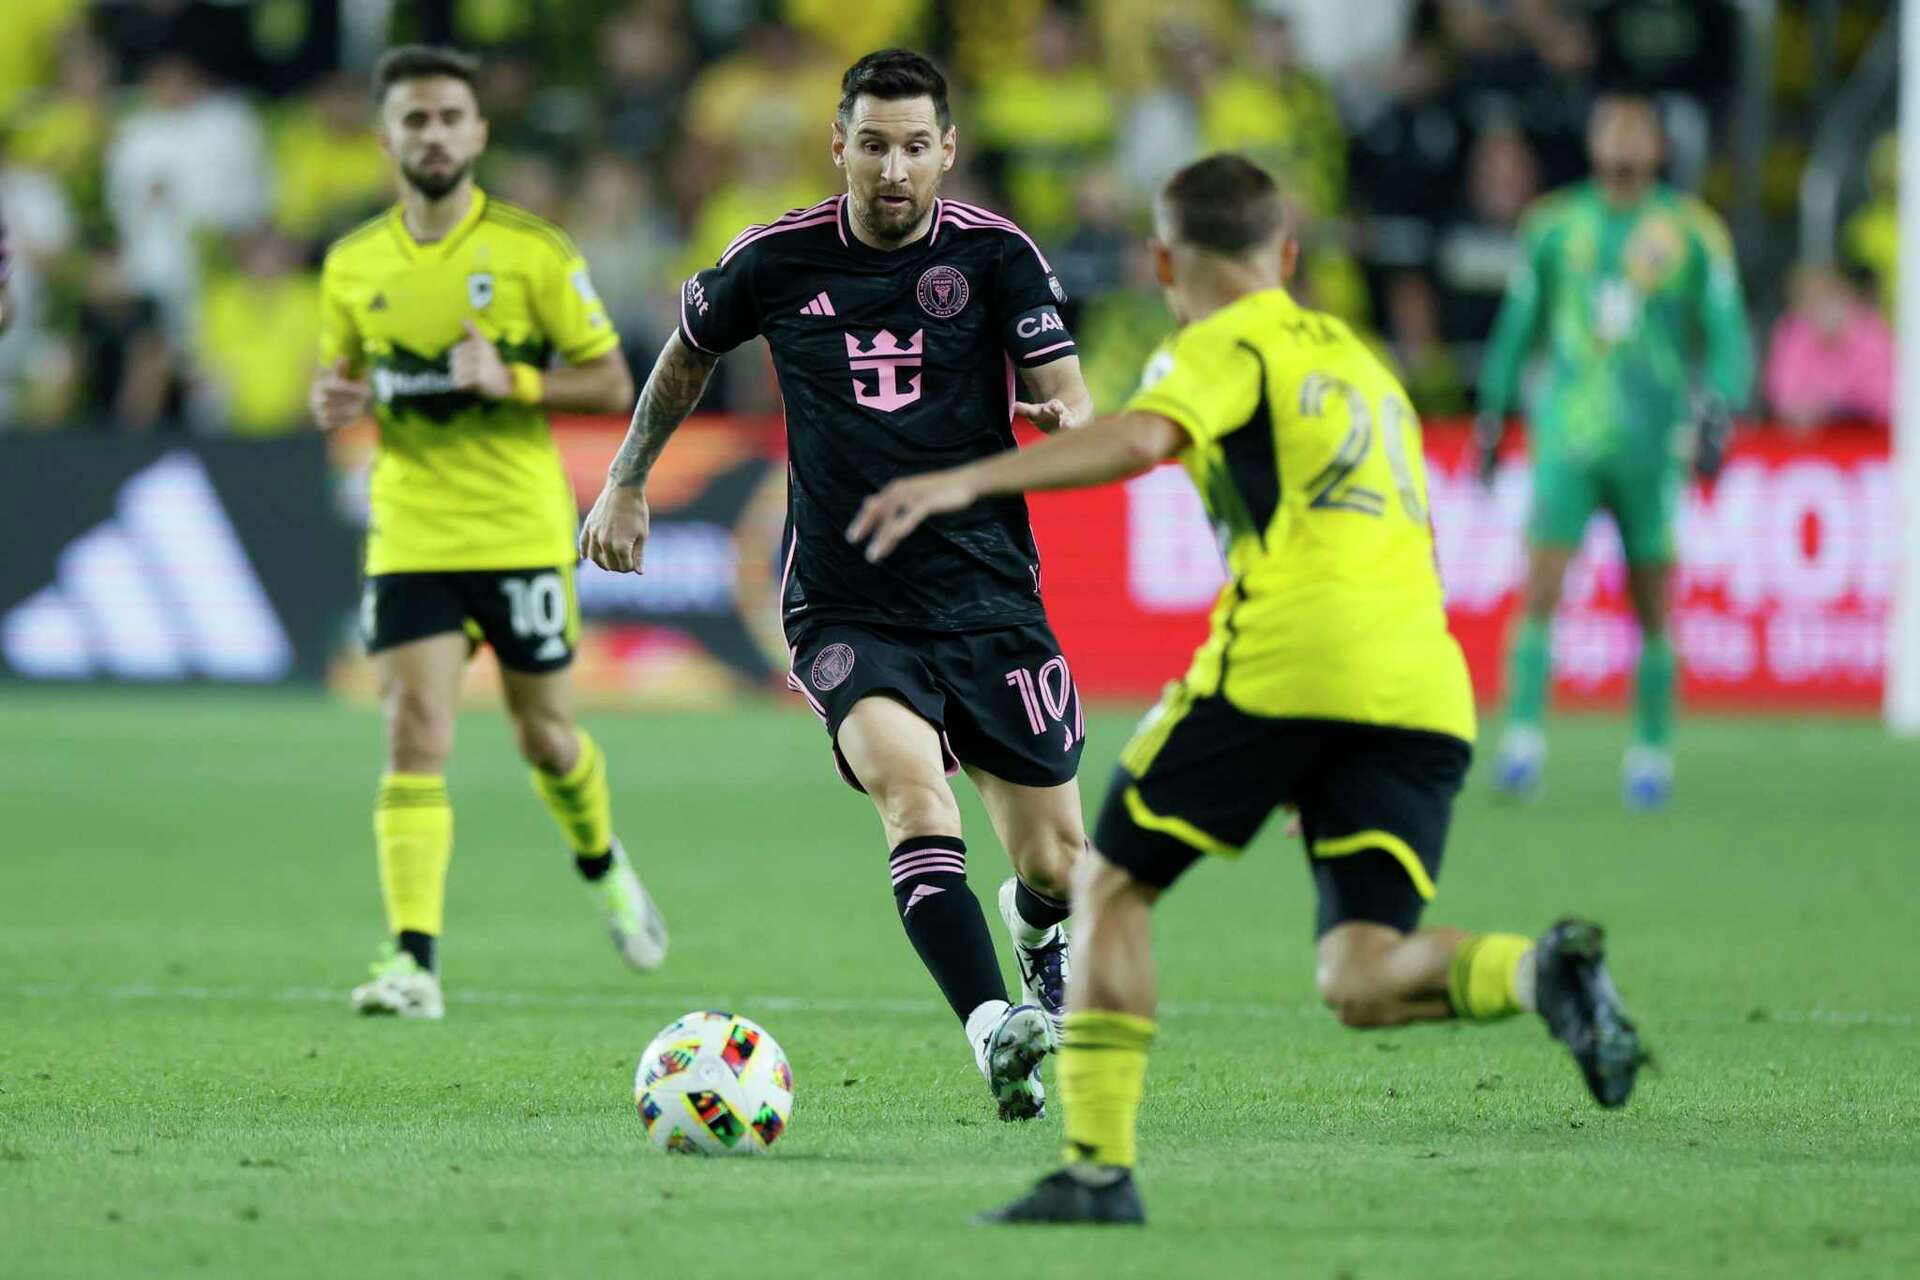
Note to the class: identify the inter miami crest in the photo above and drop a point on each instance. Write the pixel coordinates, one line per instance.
(480, 290)
(942, 292)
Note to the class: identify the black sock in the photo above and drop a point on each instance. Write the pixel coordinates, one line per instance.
(593, 865)
(419, 946)
(944, 921)
(1037, 909)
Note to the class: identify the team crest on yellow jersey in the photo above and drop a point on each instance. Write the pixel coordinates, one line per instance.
(480, 290)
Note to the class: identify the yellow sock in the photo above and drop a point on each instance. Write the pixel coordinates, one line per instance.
(1103, 1068)
(1481, 983)
(579, 800)
(413, 834)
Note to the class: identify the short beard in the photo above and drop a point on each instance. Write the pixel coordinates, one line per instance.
(434, 186)
(871, 212)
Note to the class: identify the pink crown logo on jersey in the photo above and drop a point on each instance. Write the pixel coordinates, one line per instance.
(886, 358)
(942, 292)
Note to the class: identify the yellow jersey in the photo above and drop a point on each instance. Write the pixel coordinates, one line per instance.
(1307, 455)
(461, 482)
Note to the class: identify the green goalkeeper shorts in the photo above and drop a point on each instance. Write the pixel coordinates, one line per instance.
(1641, 488)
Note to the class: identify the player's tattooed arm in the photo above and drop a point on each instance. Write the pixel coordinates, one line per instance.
(678, 380)
(615, 533)
(1061, 401)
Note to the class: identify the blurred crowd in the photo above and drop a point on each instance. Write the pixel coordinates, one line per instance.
(171, 171)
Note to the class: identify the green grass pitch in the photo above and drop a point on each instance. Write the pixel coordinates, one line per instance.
(187, 891)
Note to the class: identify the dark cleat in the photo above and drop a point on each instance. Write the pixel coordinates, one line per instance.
(1061, 1197)
(1575, 994)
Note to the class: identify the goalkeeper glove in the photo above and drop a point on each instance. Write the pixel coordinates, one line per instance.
(1489, 429)
(1713, 431)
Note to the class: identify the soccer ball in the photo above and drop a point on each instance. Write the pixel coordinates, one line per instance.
(714, 1084)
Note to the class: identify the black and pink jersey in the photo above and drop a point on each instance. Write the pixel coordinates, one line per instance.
(891, 363)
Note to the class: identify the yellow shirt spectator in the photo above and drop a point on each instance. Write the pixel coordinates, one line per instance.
(851, 30)
(257, 337)
(27, 54)
(1290, 124)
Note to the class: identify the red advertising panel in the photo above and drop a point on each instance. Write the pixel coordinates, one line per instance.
(1786, 568)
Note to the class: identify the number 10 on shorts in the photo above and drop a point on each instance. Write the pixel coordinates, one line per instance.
(1047, 694)
(536, 605)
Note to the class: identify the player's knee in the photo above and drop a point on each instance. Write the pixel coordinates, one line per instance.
(1047, 855)
(545, 741)
(917, 808)
(419, 732)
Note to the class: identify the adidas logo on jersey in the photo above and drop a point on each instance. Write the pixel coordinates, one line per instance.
(820, 306)
(379, 302)
(162, 591)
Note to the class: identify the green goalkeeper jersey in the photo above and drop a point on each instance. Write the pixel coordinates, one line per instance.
(1626, 297)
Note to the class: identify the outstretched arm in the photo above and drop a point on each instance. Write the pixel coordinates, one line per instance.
(615, 533)
(1110, 449)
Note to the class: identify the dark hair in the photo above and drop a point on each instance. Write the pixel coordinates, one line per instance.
(890, 75)
(406, 62)
(1225, 203)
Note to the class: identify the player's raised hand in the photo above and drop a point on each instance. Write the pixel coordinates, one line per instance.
(1049, 416)
(337, 398)
(615, 534)
(475, 365)
(886, 518)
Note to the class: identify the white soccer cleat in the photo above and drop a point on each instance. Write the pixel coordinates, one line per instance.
(1009, 1056)
(639, 930)
(1522, 762)
(1646, 778)
(400, 988)
(1043, 965)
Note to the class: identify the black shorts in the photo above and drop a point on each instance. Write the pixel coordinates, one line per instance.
(1003, 700)
(531, 617)
(1202, 776)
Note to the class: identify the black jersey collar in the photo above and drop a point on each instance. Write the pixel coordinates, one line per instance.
(860, 248)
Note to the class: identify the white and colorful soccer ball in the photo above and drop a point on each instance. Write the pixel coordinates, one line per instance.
(714, 1084)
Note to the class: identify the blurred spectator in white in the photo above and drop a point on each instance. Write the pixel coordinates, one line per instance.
(645, 62)
(1354, 48)
(188, 158)
(331, 170)
(1042, 119)
(1427, 367)
(1831, 355)
(1161, 132)
(1872, 234)
(259, 328)
(62, 128)
(630, 243)
(1477, 251)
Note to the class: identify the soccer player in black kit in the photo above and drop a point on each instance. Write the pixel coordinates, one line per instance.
(898, 322)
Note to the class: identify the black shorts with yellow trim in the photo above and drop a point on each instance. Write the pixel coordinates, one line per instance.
(1202, 776)
(530, 617)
